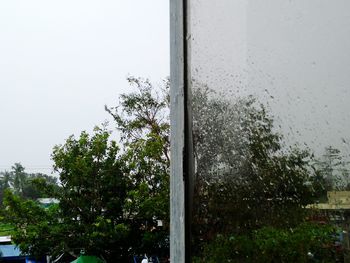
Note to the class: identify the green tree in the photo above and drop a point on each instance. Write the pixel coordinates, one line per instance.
(35, 229)
(110, 200)
(5, 180)
(25, 184)
(19, 178)
(5, 183)
(308, 242)
(333, 168)
(243, 168)
(90, 215)
(142, 117)
(93, 194)
(33, 189)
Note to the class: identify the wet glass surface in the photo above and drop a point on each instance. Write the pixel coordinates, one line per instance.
(271, 129)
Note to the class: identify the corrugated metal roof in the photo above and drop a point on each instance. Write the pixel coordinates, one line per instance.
(48, 200)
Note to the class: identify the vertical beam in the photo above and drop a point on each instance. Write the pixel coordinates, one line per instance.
(177, 134)
(188, 160)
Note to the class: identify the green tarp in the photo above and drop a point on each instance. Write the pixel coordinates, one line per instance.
(88, 259)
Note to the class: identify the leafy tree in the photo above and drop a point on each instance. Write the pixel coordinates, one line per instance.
(23, 183)
(32, 188)
(6, 180)
(5, 183)
(90, 214)
(111, 200)
(308, 242)
(333, 169)
(34, 227)
(93, 194)
(245, 178)
(19, 178)
(142, 117)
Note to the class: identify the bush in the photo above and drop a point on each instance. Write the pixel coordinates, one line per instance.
(308, 242)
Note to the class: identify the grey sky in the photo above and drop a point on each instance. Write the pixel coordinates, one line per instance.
(62, 61)
(292, 54)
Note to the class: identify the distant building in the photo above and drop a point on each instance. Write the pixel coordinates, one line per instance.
(46, 202)
(337, 200)
(337, 210)
(5, 240)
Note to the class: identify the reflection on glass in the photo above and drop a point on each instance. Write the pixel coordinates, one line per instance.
(271, 130)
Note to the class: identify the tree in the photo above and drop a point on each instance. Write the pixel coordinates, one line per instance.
(333, 169)
(110, 200)
(35, 228)
(93, 194)
(307, 242)
(142, 118)
(23, 183)
(6, 180)
(5, 183)
(243, 168)
(19, 178)
(90, 214)
(112, 197)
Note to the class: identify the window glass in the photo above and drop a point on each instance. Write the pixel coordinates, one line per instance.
(271, 129)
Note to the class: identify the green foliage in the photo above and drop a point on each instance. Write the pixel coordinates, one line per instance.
(308, 242)
(142, 113)
(112, 195)
(19, 178)
(93, 192)
(333, 170)
(6, 229)
(34, 226)
(244, 170)
(25, 184)
(90, 212)
(143, 120)
(109, 199)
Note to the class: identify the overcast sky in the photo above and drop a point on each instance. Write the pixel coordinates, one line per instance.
(62, 61)
(292, 54)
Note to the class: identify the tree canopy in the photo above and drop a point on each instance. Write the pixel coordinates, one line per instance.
(246, 177)
(23, 183)
(114, 196)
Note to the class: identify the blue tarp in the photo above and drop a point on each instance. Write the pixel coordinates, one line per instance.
(30, 260)
(9, 251)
